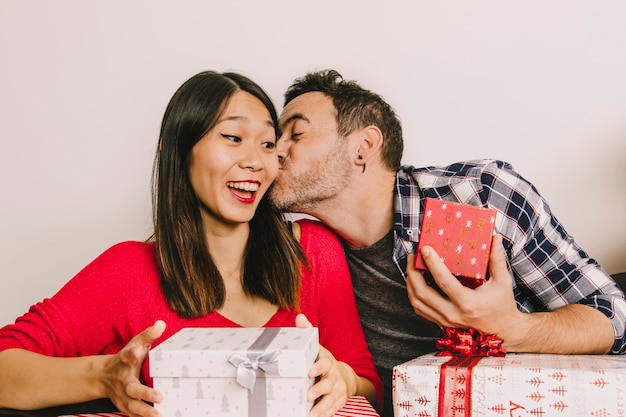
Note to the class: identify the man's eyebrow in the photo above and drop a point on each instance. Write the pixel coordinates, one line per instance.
(293, 117)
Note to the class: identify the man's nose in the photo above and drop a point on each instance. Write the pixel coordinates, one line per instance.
(282, 147)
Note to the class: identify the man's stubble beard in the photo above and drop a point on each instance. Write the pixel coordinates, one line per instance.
(303, 192)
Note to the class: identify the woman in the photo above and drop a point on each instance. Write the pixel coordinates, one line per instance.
(221, 257)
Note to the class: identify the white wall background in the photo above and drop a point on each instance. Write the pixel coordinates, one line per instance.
(83, 86)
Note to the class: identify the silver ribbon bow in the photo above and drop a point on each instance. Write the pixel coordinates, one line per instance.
(247, 366)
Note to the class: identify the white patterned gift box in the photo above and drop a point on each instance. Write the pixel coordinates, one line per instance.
(517, 385)
(228, 372)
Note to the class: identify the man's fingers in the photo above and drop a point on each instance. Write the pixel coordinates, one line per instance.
(422, 296)
(497, 258)
(416, 280)
(442, 276)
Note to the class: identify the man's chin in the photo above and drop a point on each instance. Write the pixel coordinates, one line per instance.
(279, 203)
(288, 206)
(288, 200)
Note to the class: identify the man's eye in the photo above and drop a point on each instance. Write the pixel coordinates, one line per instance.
(295, 136)
(233, 138)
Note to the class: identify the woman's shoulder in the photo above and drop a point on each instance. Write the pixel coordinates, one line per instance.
(126, 269)
(130, 249)
(315, 235)
(315, 228)
(125, 255)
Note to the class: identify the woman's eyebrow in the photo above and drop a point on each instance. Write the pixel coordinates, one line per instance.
(235, 117)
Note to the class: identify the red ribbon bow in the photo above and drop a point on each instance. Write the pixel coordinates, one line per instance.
(469, 342)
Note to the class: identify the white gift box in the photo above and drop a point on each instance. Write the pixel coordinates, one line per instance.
(227, 372)
(534, 385)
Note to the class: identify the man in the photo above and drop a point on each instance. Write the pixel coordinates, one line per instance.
(341, 148)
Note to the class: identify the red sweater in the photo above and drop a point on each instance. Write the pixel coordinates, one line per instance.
(118, 295)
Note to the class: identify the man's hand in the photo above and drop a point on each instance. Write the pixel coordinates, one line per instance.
(490, 308)
(121, 375)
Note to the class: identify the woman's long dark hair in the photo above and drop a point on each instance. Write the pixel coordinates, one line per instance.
(190, 279)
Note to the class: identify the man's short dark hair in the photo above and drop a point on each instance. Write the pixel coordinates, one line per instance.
(356, 108)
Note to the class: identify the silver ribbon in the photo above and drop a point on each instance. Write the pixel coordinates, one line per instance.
(248, 365)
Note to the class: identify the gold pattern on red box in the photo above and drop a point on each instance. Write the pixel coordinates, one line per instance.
(461, 234)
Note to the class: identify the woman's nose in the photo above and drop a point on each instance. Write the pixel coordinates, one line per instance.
(251, 159)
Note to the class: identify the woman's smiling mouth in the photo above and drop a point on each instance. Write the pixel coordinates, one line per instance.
(244, 191)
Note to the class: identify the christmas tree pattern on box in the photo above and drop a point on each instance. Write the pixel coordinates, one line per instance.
(517, 385)
(228, 372)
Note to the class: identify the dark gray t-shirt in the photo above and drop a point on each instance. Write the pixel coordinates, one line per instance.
(394, 333)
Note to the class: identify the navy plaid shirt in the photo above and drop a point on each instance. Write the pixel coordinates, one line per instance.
(549, 269)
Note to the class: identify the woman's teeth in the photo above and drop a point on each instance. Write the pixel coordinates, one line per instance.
(245, 186)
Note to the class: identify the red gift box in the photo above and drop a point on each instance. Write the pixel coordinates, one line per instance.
(461, 234)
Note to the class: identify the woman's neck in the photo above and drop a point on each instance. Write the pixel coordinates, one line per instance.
(227, 248)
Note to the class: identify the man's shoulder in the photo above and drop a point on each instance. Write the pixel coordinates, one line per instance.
(462, 181)
(472, 168)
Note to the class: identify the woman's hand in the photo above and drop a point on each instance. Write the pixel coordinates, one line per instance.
(335, 380)
(335, 383)
(121, 375)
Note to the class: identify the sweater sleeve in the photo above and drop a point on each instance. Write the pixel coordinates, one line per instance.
(327, 300)
(91, 313)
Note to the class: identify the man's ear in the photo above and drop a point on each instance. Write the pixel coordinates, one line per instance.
(370, 141)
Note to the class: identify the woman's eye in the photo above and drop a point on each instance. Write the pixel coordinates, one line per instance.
(269, 145)
(231, 137)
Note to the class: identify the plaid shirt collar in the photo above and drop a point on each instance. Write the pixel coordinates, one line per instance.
(455, 183)
(406, 220)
